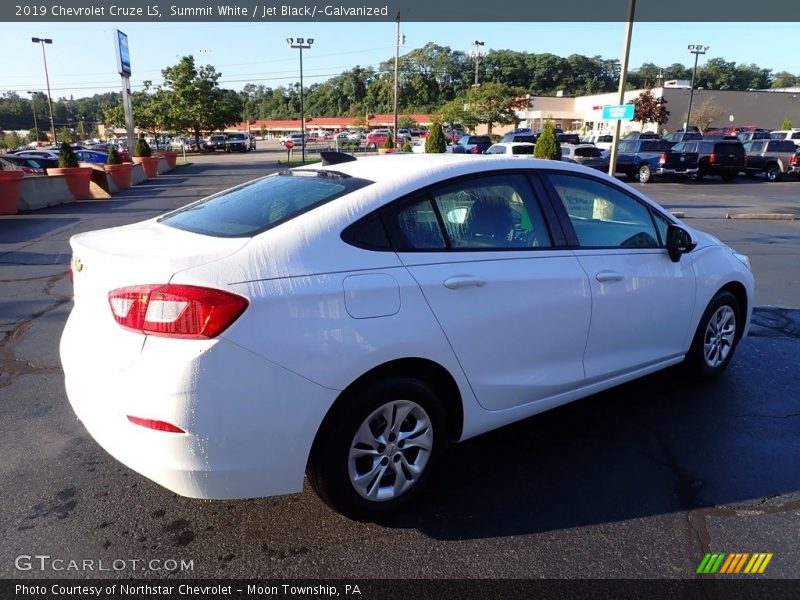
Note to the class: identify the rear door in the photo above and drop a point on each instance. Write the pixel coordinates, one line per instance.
(512, 300)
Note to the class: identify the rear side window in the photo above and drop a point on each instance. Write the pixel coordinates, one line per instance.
(651, 147)
(522, 150)
(259, 205)
(588, 152)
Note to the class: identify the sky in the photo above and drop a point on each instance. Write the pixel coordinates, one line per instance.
(81, 61)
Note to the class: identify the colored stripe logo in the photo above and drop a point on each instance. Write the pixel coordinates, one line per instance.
(734, 563)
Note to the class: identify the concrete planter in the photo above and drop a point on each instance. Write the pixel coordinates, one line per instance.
(172, 158)
(120, 174)
(10, 186)
(77, 178)
(149, 164)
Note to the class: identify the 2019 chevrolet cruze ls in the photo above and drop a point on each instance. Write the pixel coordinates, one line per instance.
(349, 321)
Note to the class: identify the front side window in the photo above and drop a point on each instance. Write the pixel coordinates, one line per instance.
(495, 212)
(604, 216)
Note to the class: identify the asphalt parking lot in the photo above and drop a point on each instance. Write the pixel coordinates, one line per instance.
(639, 482)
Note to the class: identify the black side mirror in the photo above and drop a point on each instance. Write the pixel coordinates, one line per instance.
(679, 241)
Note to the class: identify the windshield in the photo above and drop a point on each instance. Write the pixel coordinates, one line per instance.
(259, 205)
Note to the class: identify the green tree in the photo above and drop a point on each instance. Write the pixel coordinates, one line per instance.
(196, 102)
(784, 79)
(649, 109)
(435, 142)
(454, 113)
(496, 103)
(547, 145)
(786, 124)
(406, 122)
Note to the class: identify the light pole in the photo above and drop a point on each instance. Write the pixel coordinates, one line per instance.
(35, 124)
(44, 41)
(697, 50)
(400, 39)
(476, 54)
(301, 44)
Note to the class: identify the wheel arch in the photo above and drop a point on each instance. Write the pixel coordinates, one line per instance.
(740, 293)
(428, 371)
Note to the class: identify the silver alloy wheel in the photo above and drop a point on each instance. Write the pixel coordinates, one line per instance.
(719, 336)
(390, 450)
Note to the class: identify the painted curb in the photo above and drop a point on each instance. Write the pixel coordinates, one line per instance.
(766, 216)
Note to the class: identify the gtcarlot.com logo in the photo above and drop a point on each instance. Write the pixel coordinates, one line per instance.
(735, 563)
(45, 562)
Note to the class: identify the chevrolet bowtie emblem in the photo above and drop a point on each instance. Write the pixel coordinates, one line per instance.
(77, 265)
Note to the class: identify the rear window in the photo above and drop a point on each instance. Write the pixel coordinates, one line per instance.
(525, 138)
(588, 152)
(522, 150)
(237, 136)
(729, 148)
(259, 205)
(781, 146)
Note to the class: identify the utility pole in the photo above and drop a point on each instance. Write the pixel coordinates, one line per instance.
(35, 124)
(623, 77)
(396, 65)
(44, 41)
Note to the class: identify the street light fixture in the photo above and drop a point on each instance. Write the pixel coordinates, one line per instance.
(476, 54)
(301, 44)
(697, 50)
(44, 41)
(35, 124)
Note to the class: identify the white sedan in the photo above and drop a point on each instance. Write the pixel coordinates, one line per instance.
(351, 320)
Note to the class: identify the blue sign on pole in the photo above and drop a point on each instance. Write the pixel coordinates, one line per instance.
(618, 112)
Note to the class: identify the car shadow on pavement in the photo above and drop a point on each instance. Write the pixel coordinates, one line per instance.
(654, 446)
(20, 229)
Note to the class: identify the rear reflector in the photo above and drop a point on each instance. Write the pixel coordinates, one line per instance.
(157, 425)
(172, 310)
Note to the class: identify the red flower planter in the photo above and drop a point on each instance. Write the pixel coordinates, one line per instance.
(120, 174)
(149, 164)
(77, 178)
(10, 186)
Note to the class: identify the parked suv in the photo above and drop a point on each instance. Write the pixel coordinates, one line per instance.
(216, 142)
(786, 134)
(770, 157)
(238, 142)
(512, 137)
(475, 144)
(724, 158)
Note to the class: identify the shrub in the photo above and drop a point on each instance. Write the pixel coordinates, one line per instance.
(787, 124)
(496, 138)
(388, 143)
(142, 148)
(435, 142)
(113, 157)
(547, 145)
(406, 147)
(66, 157)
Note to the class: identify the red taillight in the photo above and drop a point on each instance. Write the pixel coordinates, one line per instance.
(475, 150)
(794, 160)
(31, 171)
(662, 159)
(712, 158)
(157, 425)
(183, 311)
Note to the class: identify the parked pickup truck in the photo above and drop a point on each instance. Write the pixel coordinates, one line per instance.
(639, 158)
(679, 162)
(770, 157)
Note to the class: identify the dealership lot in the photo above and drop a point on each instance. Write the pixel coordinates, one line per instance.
(636, 482)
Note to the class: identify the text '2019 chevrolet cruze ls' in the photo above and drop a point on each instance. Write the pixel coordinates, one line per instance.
(351, 320)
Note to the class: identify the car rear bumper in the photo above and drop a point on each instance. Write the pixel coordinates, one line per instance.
(249, 424)
(671, 171)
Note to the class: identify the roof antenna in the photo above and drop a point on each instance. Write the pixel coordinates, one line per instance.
(335, 158)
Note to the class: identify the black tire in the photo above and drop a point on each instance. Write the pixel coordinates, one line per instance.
(772, 172)
(708, 362)
(750, 174)
(330, 464)
(632, 175)
(699, 175)
(644, 174)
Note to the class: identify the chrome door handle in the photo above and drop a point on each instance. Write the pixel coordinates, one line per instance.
(460, 281)
(606, 276)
